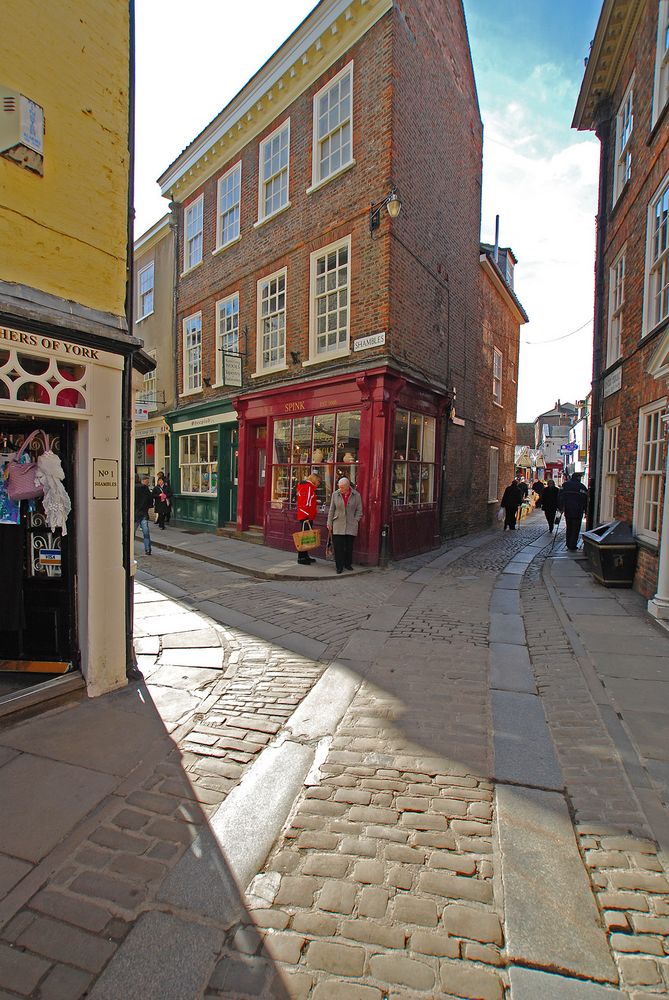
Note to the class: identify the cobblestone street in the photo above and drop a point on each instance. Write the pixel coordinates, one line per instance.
(407, 783)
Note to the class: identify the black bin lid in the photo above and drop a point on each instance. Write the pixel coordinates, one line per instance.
(611, 533)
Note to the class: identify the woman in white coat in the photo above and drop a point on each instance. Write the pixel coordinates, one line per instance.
(345, 513)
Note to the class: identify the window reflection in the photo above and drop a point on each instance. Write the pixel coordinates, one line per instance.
(327, 443)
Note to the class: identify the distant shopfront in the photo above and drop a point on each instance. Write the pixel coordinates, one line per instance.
(377, 428)
(152, 447)
(204, 448)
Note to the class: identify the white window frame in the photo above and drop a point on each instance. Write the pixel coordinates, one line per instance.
(622, 166)
(280, 364)
(607, 504)
(317, 179)
(493, 475)
(497, 368)
(192, 384)
(192, 248)
(339, 350)
(616, 305)
(232, 176)
(143, 294)
(210, 464)
(147, 397)
(661, 78)
(226, 332)
(649, 472)
(657, 266)
(264, 181)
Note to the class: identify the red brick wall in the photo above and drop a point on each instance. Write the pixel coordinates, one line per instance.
(437, 148)
(338, 209)
(626, 225)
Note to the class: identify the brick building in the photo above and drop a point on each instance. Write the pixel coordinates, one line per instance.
(317, 329)
(624, 98)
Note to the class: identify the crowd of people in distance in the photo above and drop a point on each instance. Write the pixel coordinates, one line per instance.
(571, 499)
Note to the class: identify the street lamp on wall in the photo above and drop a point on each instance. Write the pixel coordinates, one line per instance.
(391, 202)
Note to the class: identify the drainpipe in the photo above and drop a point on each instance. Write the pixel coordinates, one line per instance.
(131, 669)
(603, 133)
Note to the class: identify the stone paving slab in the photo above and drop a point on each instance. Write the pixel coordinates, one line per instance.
(637, 695)
(524, 752)
(505, 601)
(507, 628)
(163, 958)
(528, 984)
(194, 657)
(510, 668)
(551, 918)
(634, 663)
(321, 711)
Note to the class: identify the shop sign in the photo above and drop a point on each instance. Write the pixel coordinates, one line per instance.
(141, 412)
(49, 557)
(232, 369)
(373, 340)
(582, 454)
(105, 479)
(613, 382)
(209, 421)
(48, 344)
(151, 431)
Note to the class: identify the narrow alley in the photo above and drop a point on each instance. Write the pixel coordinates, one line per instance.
(447, 779)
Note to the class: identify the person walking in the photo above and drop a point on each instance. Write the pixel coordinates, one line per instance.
(343, 519)
(162, 501)
(511, 501)
(549, 503)
(143, 503)
(161, 475)
(538, 487)
(573, 501)
(307, 506)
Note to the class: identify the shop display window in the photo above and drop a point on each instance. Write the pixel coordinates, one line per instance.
(42, 381)
(328, 443)
(413, 482)
(198, 463)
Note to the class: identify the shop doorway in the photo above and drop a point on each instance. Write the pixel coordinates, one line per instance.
(233, 455)
(38, 637)
(259, 467)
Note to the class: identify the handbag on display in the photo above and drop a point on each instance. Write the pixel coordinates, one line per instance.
(21, 477)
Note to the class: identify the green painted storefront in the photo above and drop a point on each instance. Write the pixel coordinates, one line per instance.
(204, 462)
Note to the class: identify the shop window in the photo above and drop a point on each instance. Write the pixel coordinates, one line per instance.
(328, 443)
(198, 463)
(413, 482)
(41, 381)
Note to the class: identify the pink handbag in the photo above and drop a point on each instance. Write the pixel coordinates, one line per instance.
(21, 484)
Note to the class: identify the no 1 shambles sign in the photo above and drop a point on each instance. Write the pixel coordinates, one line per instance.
(105, 479)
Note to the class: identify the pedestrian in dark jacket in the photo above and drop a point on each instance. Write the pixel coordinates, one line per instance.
(143, 502)
(573, 501)
(538, 487)
(549, 502)
(162, 500)
(511, 501)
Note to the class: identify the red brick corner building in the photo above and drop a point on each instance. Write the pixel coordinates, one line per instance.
(363, 347)
(624, 98)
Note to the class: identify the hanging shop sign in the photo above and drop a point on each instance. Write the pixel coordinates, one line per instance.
(373, 340)
(141, 411)
(105, 479)
(232, 369)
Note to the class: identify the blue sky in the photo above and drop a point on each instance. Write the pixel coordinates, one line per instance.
(538, 174)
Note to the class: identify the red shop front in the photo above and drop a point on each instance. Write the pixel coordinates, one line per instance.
(378, 428)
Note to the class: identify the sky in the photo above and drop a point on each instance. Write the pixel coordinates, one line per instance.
(539, 175)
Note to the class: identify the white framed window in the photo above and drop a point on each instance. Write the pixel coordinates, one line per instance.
(661, 80)
(147, 397)
(145, 282)
(616, 303)
(609, 471)
(622, 168)
(497, 376)
(649, 469)
(333, 127)
(193, 353)
(273, 170)
(227, 331)
(193, 229)
(229, 199)
(493, 474)
(330, 299)
(656, 305)
(271, 336)
(198, 463)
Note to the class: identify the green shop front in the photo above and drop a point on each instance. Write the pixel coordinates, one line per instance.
(204, 465)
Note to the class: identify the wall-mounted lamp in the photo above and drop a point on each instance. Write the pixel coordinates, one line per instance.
(207, 382)
(295, 357)
(391, 202)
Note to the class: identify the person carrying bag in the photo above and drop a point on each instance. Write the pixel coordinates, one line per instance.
(307, 538)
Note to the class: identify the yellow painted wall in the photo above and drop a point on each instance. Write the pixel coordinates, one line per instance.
(65, 233)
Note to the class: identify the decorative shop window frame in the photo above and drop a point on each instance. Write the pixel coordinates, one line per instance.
(13, 376)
